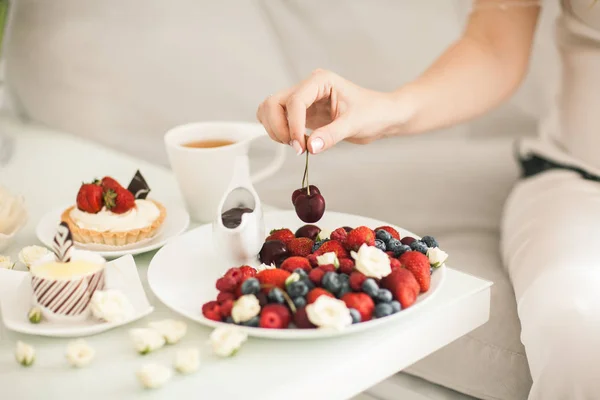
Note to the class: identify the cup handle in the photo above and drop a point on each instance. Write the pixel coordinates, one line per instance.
(273, 166)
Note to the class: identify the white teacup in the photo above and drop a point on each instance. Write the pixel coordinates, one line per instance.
(203, 174)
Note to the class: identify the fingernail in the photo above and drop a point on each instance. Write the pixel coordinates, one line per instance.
(316, 145)
(297, 147)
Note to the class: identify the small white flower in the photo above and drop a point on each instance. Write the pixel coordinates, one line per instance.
(31, 254)
(294, 277)
(25, 354)
(111, 306)
(264, 266)
(146, 340)
(324, 234)
(227, 340)
(153, 376)
(245, 308)
(187, 361)
(6, 263)
(328, 258)
(372, 261)
(173, 331)
(437, 257)
(327, 312)
(79, 353)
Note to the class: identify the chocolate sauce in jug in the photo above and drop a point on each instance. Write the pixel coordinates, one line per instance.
(232, 218)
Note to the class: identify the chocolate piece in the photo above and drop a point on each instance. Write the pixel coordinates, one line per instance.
(138, 186)
(62, 245)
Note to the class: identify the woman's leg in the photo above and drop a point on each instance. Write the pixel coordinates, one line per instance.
(551, 247)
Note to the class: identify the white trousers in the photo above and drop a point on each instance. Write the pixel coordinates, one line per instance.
(551, 248)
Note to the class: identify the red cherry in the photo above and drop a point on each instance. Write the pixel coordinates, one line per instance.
(298, 192)
(310, 207)
(308, 231)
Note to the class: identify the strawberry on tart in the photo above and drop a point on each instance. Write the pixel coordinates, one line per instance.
(107, 213)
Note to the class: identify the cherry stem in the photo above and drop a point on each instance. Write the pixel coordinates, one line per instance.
(305, 177)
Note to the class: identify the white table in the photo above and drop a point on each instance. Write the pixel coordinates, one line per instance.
(48, 168)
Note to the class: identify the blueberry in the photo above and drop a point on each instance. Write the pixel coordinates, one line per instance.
(276, 296)
(296, 289)
(394, 245)
(251, 286)
(252, 322)
(308, 283)
(345, 288)
(401, 250)
(331, 281)
(355, 315)
(383, 296)
(229, 320)
(382, 235)
(383, 310)
(301, 272)
(430, 241)
(318, 244)
(419, 246)
(396, 306)
(370, 287)
(380, 245)
(344, 277)
(299, 301)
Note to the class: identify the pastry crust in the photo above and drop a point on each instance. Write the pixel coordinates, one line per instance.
(122, 238)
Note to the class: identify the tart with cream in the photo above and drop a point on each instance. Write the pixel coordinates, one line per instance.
(107, 213)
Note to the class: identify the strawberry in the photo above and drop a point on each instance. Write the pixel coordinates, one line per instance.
(395, 263)
(301, 319)
(327, 268)
(284, 235)
(339, 234)
(418, 264)
(361, 302)
(333, 246)
(119, 201)
(315, 293)
(224, 296)
(109, 183)
(300, 247)
(389, 230)
(89, 198)
(359, 236)
(312, 259)
(247, 272)
(293, 263)
(273, 277)
(316, 275)
(212, 310)
(225, 308)
(346, 266)
(236, 274)
(403, 285)
(356, 280)
(275, 316)
(226, 284)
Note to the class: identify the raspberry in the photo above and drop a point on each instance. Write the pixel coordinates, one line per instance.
(390, 254)
(235, 274)
(226, 308)
(346, 266)
(224, 296)
(227, 284)
(274, 316)
(327, 268)
(312, 259)
(339, 234)
(212, 310)
(247, 272)
(316, 275)
(356, 280)
(293, 263)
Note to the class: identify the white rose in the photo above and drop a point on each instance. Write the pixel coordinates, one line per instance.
(146, 340)
(294, 277)
(436, 256)
(153, 376)
(30, 254)
(324, 234)
(173, 331)
(327, 312)
(245, 308)
(79, 353)
(372, 261)
(187, 361)
(227, 340)
(25, 354)
(111, 306)
(6, 263)
(264, 266)
(328, 258)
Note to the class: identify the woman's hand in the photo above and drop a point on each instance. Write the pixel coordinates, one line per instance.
(335, 109)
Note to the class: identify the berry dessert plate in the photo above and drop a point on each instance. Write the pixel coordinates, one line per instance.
(16, 301)
(176, 222)
(183, 274)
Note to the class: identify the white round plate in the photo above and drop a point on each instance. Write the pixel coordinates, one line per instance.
(176, 223)
(183, 274)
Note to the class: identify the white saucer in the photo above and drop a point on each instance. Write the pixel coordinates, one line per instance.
(183, 274)
(16, 300)
(176, 223)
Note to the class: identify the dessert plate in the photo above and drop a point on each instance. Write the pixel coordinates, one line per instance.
(183, 274)
(16, 300)
(177, 222)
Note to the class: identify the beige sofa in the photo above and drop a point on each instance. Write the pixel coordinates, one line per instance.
(122, 72)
